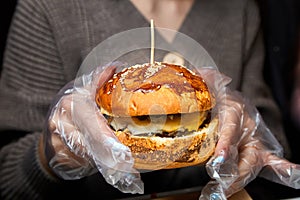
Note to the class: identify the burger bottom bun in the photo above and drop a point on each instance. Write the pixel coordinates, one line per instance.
(153, 153)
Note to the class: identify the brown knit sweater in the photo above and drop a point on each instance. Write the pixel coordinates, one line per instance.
(49, 39)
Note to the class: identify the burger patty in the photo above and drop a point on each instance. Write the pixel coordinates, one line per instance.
(161, 125)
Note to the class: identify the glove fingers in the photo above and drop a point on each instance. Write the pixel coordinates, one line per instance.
(67, 164)
(100, 141)
(249, 166)
(87, 84)
(77, 129)
(282, 171)
(89, 120)
(125, 182)
(231, 177)
(107, 73)
(215, 80)
(223, 170)
(231, 115)
(224, 165)
(212, 191)
(61, 123)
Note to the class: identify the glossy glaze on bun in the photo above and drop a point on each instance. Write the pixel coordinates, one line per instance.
(135, 99)
(154, 89)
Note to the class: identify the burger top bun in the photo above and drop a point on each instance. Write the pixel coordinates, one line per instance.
(159, 88)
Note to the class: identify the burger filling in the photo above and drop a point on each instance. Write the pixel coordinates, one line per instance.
(161, 125)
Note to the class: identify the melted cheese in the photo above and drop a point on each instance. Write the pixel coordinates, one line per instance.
(159, 123)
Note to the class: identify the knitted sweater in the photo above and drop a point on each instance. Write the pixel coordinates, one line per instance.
(49, 39)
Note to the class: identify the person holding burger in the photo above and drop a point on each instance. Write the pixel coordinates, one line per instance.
(47, 43)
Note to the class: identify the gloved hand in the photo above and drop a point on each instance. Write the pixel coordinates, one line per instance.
(78, 140)
(246, 147)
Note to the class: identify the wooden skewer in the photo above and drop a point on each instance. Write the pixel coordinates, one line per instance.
(152, 42)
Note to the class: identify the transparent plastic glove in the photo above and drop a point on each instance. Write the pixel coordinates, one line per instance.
(79, 142)
(246, 147)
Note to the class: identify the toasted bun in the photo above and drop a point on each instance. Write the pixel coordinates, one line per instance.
(148, 89)
(161, 89)
(153, 153)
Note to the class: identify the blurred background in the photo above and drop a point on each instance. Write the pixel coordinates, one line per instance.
(7, 8)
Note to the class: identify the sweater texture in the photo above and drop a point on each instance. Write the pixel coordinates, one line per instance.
(49, 39)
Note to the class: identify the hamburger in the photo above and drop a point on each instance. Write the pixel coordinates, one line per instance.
(162, 112)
